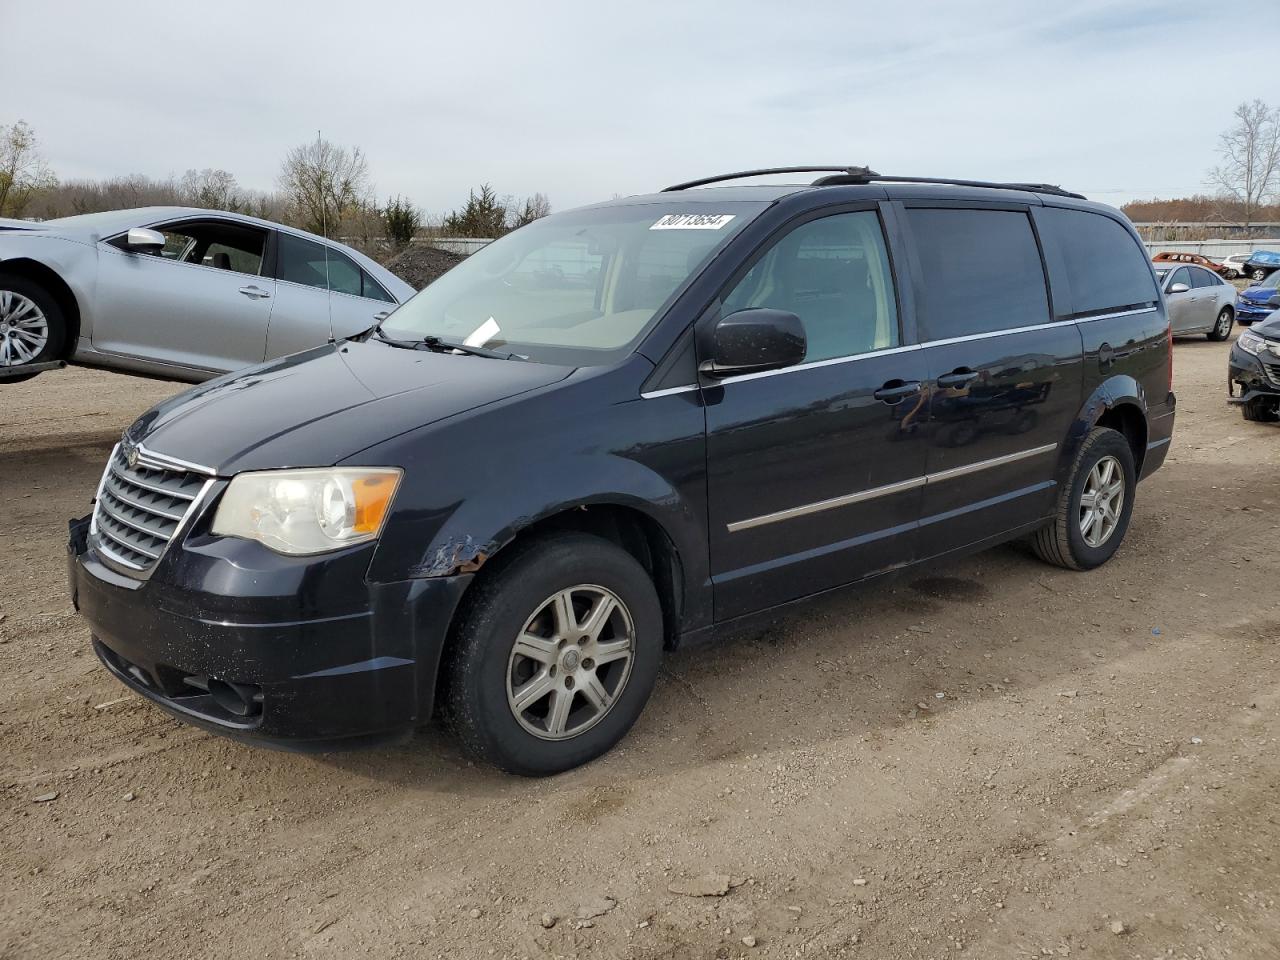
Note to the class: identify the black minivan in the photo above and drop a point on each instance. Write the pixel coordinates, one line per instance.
(619, 430)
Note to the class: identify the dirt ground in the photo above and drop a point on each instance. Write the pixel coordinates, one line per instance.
(1000, 759)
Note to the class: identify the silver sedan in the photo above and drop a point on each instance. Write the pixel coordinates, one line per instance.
(180, 293)
(1199, 300)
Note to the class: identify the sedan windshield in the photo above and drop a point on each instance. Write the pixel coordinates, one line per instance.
(577, 288)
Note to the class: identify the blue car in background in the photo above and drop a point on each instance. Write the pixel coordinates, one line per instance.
(1257, 303)
(1261, 264)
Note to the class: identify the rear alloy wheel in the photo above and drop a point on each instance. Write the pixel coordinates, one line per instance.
(554, 655)
(1222, 326)
(31, 324)
(1094, 505)
(1258, 275)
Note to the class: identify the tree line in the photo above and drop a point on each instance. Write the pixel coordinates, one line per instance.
(322, 187)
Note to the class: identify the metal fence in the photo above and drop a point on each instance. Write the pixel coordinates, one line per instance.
(462, 246)
(1210, 248)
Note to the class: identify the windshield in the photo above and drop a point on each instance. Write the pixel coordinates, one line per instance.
(577, 288)
(1162, 272)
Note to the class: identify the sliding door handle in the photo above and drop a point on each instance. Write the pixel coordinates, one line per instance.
(958, 378)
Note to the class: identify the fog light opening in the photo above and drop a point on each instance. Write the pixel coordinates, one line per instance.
(239, 699)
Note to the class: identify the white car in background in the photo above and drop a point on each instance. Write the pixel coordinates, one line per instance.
(1234, 265)
(180, 293)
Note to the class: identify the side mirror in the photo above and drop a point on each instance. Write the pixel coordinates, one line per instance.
(754, 340)
(1179, 288)
(144, 241)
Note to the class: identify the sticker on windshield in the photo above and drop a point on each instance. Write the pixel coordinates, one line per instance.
(693, 221)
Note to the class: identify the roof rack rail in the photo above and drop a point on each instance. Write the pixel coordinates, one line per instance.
(846, 175)
(872, 177)
(842, 169)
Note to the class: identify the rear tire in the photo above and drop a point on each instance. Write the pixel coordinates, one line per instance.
(518, 705)
(1258, 275)
(1080, 536)
(32, 327)
(1222, 326)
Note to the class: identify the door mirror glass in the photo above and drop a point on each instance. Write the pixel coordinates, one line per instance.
(754, 340)
(144, 241)
(1179, 288)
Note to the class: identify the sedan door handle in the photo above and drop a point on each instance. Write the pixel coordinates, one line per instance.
(254, 293)
(895, 391)
(958, 378)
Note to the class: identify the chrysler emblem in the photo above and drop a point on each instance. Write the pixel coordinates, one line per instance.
(131, 456)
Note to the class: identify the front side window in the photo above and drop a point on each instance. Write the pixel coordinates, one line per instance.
(833, 273)
(579, 288)
(980, 271)
(1107, 267)
(1181, 275)
(223, 246)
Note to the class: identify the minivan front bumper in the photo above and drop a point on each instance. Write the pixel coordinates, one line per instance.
(294, 668)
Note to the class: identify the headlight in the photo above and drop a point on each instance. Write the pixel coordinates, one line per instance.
(1250, 342)
(307, 511)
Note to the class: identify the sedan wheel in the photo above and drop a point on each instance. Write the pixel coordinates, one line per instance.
(1222, 326)
(570, 662)
(24, 329)
(1102, 501)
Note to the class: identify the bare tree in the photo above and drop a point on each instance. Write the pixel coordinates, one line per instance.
(211, 189)
(1250, 168)
(325, 184)
(23, 171)
(534, 208)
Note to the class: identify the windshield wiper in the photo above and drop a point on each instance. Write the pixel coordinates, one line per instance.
(445, 346)
(442, 346)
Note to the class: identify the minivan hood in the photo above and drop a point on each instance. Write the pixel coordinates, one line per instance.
(322, 405)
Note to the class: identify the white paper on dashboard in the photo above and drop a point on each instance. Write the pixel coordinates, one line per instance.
(483, 333)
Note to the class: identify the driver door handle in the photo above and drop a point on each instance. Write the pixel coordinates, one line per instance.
(254, 293)
(895, 391)
(958, 378)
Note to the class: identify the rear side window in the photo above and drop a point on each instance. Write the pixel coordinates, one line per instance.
(1106, 267)
(315, 265)
(1203, 278)
(980, 272)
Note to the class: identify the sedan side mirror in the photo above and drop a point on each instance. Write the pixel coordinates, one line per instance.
(1179, 288)
(142, 240)
(755, 340)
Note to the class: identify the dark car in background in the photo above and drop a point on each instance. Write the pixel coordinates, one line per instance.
(1253, 371)
(507, 504)
(1261, 264)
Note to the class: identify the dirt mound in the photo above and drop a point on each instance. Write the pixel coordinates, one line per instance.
(420, 263)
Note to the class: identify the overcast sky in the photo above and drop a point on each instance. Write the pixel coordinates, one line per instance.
(583, 101)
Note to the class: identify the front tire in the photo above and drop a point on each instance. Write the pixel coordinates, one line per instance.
(32, 327)
(1261, 410)
(1094, 505)
(1222, 326)
(555, 654)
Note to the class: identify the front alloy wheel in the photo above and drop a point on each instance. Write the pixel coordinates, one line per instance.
(554, 653)
(570, 662)
(24, 329)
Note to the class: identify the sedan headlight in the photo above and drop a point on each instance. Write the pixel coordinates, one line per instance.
(307, 511)
(1250, 342)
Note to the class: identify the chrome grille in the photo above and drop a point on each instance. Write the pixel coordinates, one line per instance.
(140, 508)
